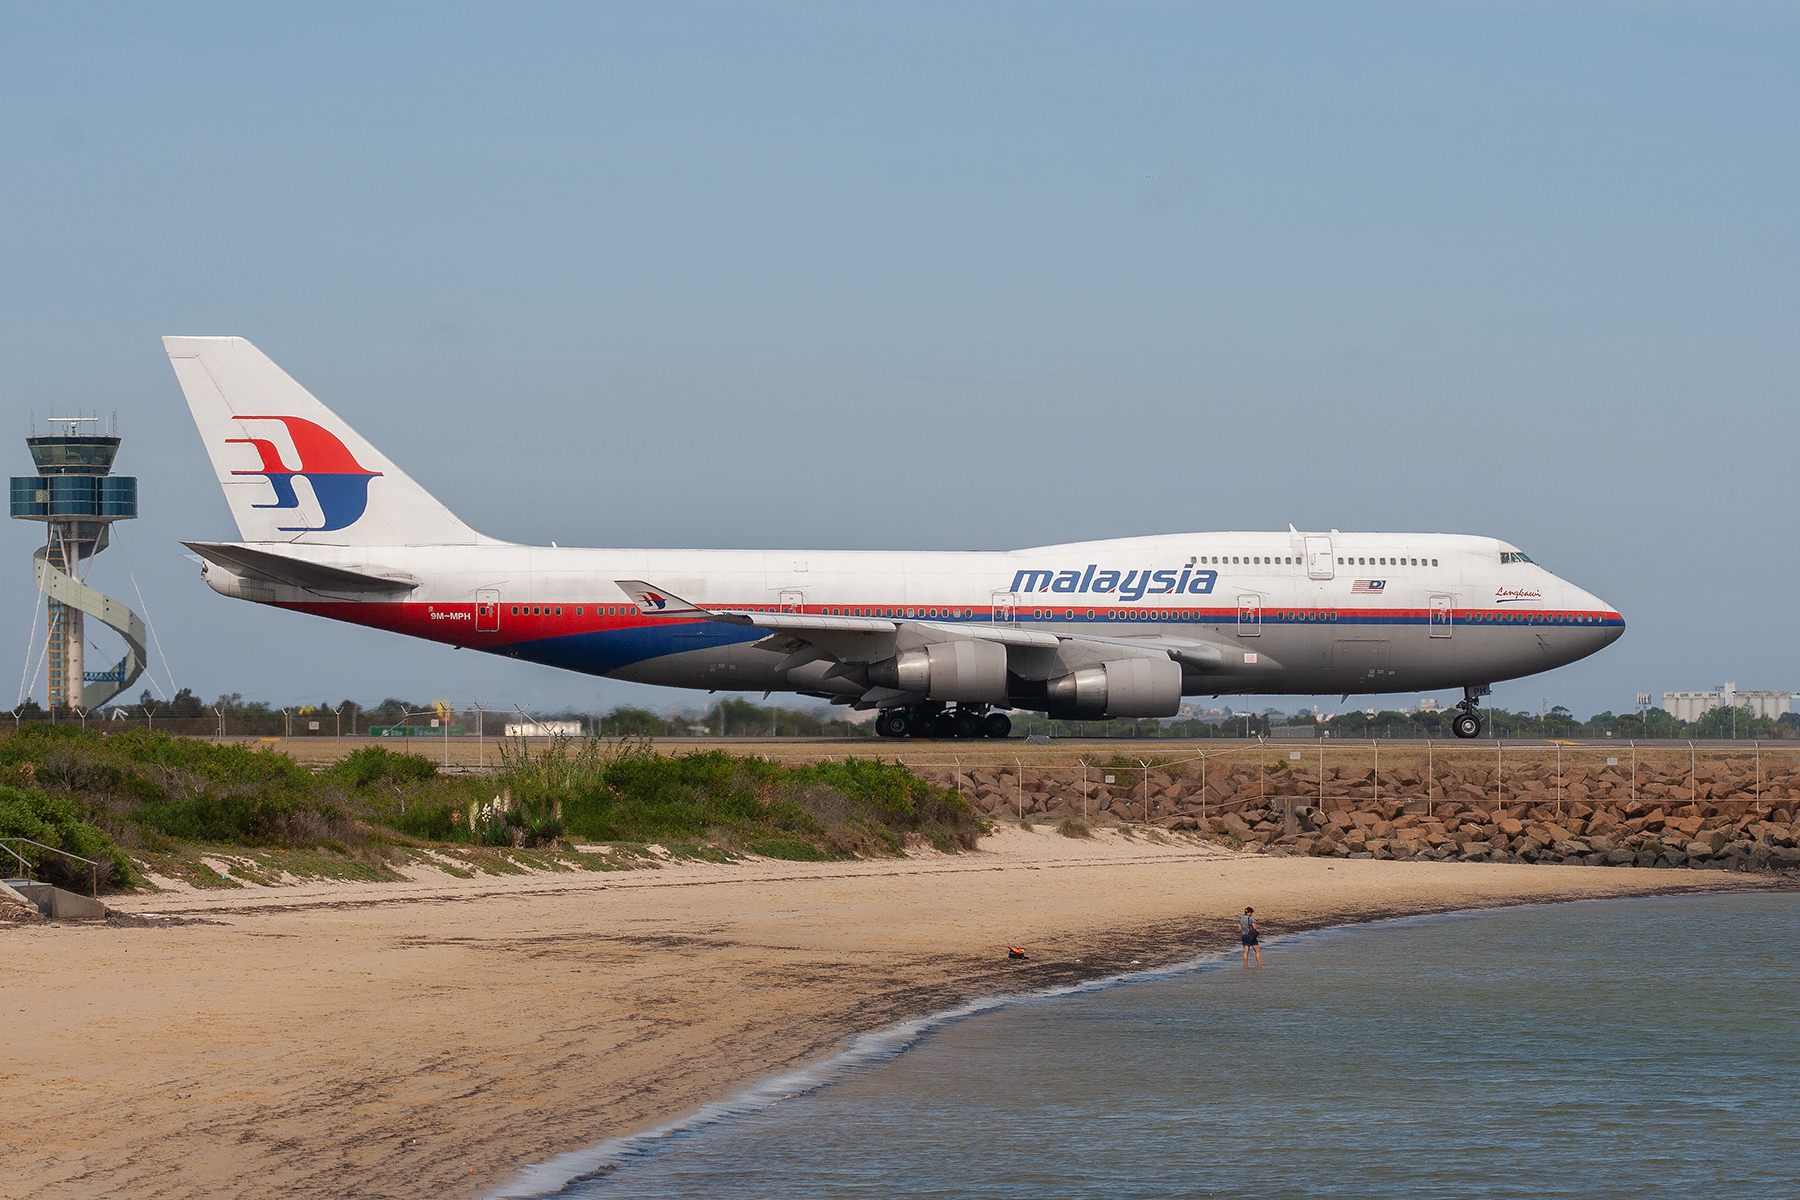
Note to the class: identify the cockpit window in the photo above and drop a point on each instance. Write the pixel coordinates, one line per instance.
(1512, 556)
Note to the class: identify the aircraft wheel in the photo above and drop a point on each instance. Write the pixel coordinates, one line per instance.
(922, 725)
(891, 723)
(1466, 725)
(970, 725)
(998, 725)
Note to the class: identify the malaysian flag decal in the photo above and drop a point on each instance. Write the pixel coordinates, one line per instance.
(1368, 587)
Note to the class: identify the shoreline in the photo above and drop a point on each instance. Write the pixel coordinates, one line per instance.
(383, 1039)
(872, 1049)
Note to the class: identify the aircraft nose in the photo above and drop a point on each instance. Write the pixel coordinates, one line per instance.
(1608, 626)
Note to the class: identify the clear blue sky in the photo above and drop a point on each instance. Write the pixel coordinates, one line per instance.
(954, 276)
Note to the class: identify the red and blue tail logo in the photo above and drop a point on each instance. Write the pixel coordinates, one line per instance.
(340, 483)
(653, 598)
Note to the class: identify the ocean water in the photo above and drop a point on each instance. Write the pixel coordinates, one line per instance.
(1609, 1049)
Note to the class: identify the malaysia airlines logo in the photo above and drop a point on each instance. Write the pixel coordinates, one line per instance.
(1368, 587)
(654, 599)
(338, 481)
(1130, 586)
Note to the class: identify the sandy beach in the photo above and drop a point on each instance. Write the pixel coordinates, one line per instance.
(432, 1037)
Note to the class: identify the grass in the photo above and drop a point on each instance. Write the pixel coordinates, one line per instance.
(219, 816)
(1074, 827)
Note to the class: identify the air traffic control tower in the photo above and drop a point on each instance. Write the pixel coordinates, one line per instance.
(78, 499)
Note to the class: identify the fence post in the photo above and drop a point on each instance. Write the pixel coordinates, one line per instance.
(1021, 788)
(1430, 777)
(1693, 775)
(1376, 742)
(1146, 768)
(1499, 775)
(1559, 779)
(1758, 745)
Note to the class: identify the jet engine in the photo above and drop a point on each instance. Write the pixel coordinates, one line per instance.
(962, 671)
(1126, 687)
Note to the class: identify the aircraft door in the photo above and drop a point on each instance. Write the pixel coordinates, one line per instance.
(1006, 606)
(1249, 616)
(487, 612)
(1441, 609)
(1318, 558)
(793, 601)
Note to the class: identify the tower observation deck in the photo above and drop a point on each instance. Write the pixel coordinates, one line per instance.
(78, 498)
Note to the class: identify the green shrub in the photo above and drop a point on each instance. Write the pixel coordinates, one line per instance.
(362, 769)
(248, 820)
(57, 821)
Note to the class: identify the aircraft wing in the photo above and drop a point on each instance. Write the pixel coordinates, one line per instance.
(660, 602)
(1190, 652)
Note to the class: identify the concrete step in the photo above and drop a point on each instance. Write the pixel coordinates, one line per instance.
(57, 904)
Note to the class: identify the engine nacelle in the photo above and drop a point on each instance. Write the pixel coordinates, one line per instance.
(961, 671)
(1126, 687)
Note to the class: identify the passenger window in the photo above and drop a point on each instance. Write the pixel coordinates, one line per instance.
(578, 610)
(515, 610)
(1434, 562)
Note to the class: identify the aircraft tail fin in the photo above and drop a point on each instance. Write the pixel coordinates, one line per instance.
(292, 470)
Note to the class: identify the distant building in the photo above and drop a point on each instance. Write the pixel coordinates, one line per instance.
(1691, 706)
(525, 729)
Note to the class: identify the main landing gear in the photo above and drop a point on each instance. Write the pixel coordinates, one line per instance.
(1467, 723)
(963, 721)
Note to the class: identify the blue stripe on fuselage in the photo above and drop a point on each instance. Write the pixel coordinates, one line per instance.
(604, 650)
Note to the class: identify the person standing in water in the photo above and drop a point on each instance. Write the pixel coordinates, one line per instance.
(1252, 938)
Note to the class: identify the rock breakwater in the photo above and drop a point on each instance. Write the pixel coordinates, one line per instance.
(1732, 815)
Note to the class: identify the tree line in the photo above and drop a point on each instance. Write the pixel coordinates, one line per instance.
(736, 717)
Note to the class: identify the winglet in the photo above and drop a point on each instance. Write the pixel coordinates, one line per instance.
(660, 602)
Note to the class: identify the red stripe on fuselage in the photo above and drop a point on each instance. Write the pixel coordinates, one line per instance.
(455, 624)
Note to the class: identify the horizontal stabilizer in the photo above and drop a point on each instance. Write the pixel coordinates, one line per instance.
(263, 566)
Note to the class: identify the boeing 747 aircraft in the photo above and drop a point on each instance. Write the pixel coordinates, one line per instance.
(939, 642)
